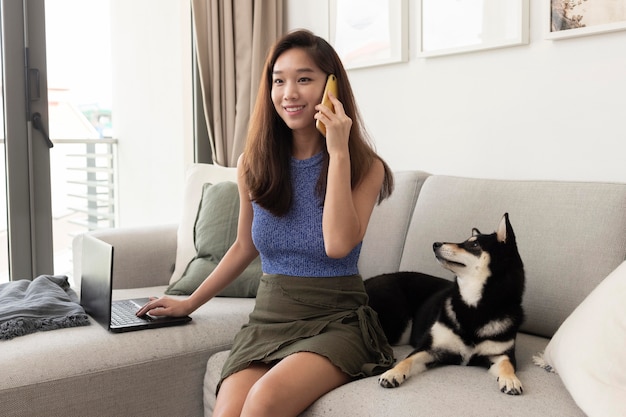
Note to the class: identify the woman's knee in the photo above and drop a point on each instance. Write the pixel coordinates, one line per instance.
(263, 399)
(235, 389)
(292, 385)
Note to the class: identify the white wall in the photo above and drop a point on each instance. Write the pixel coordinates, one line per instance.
(546, 110)
(152, 107)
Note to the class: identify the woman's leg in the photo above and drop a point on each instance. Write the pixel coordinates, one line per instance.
(235, 388)
(292, 385)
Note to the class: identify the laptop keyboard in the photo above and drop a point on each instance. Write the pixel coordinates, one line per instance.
(123, 313)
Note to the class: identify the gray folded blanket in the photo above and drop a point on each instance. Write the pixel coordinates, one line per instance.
(45, 303)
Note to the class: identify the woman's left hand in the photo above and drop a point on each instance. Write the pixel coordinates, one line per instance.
(337, 123)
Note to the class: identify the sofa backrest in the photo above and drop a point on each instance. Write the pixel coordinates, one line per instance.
(386, 232)
(570, 235)
(383, 242)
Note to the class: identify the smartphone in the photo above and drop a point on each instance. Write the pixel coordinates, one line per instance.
(331, 86)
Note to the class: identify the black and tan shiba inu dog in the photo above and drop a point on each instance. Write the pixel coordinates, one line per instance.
(470, 321)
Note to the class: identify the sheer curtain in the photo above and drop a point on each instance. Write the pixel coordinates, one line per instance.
(232, 40)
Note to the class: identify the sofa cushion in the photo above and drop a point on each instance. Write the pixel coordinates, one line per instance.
(215, 231)
(196, 176)
(570, 235)
(589, 350)
(443, 392)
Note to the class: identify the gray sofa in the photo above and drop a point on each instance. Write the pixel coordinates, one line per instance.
(570, 235)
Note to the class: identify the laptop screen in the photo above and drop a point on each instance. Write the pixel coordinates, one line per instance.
(96, 279)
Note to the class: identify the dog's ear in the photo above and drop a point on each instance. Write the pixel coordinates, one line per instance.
(504, 229)
(476, 232)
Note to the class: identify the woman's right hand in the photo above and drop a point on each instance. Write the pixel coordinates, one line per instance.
(338, 125)
(165, 306)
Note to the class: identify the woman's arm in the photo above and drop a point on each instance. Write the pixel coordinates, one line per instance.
(236, 259)
(346, 211)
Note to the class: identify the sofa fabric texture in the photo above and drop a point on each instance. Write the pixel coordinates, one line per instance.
(571, 236)
(449, 391)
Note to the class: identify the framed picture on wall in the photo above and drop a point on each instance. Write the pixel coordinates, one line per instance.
(451, 26)
(369, 32)
(570, 18)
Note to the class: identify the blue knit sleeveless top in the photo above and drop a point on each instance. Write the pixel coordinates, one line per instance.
(293, 244)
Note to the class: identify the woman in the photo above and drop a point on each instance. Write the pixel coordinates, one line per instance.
(306, 201)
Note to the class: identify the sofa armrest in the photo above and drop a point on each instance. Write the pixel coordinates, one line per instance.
(143, 256)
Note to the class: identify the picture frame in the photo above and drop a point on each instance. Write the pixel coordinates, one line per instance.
(568, 19)
(367, 33)
(452, 27)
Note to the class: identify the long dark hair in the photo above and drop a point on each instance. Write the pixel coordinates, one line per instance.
(268, 149)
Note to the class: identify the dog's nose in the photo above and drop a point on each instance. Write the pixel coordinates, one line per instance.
(437, 245)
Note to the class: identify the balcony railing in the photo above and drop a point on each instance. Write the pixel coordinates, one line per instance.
(89, 167)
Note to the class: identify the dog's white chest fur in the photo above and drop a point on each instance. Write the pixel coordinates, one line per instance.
(472, 282)
(445, 339)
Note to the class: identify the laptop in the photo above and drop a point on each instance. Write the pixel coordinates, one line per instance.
(96, 293)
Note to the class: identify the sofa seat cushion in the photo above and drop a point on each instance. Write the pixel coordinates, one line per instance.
(445, 391)
(156, 364)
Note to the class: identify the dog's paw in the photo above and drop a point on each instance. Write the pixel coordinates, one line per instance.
(391, 379)
(511, 386)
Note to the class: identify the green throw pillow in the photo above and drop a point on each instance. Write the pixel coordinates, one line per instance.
(215, 231)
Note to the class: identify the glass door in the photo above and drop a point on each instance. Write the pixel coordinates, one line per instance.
(26, 208)
(56, 185)
(83, 171)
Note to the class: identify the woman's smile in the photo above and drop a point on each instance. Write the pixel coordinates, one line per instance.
(293, 110)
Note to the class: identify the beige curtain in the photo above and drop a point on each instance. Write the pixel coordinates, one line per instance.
(232, 40)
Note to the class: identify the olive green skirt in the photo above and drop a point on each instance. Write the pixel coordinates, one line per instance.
(327, 316)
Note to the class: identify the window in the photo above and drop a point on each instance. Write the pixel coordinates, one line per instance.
(119, 114)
